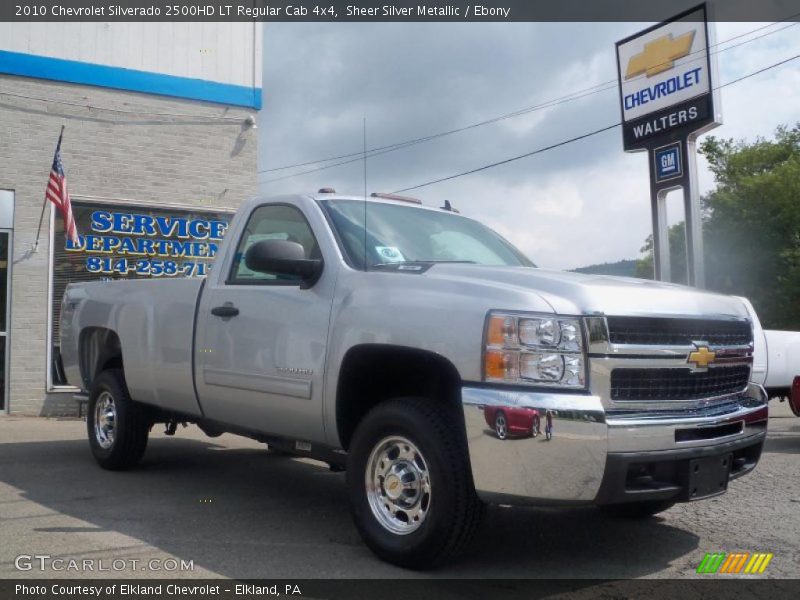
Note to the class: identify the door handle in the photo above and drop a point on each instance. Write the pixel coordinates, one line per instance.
(226, 310)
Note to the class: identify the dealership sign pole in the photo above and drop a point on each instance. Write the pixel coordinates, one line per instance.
(666, 75)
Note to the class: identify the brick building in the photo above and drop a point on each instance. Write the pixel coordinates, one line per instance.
(158, 121)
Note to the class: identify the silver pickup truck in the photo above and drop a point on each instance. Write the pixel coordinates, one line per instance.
(424, 354)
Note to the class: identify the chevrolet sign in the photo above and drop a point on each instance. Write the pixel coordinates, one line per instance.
(665, 79)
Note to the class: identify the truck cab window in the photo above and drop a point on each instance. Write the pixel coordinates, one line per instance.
(272, 222)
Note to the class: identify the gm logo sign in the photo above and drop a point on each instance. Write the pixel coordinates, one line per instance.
(667, 162)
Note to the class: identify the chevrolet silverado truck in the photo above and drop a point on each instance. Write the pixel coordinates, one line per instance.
(374, 334)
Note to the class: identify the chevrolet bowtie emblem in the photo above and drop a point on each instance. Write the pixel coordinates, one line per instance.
(702, 357)
(659, 55)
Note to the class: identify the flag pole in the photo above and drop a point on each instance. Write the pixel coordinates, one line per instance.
(44, 204)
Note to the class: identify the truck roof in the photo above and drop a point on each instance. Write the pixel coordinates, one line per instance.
(377, 200)
(251, 203)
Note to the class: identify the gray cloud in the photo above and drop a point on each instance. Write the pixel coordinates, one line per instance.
(583, 203)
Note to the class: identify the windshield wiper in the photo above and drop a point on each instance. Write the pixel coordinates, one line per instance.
(421, 262)
(462, 262)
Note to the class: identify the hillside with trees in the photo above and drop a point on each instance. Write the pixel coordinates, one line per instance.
(621, 268)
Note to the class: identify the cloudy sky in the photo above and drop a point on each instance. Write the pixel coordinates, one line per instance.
(583, 203)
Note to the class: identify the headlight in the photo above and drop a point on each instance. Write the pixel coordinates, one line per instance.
(539, 366)
(534, 350)
(539, 332)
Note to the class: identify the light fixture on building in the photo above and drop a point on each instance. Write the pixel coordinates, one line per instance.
(250, 122)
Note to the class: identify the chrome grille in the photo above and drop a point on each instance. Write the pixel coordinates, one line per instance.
(677, 384)
(669, 331)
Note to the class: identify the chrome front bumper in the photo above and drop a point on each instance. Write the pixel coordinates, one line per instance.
(591, 446)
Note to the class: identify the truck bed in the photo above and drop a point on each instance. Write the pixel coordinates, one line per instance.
(154, 320)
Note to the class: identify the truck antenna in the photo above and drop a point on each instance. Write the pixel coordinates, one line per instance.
(366, 262)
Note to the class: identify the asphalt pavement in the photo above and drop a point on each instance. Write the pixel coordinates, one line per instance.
(227, 507)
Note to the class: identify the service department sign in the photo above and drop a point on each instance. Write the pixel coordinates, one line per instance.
(147, 243)
(665, 80)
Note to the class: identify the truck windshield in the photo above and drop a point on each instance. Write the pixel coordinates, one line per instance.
(400, 234)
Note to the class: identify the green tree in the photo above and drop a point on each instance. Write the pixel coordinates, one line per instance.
(751, 225)
(677, 255)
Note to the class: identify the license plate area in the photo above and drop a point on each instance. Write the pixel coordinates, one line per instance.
(708, 476)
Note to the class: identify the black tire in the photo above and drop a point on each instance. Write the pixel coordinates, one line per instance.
(454, 511)
(637, 510)
(210, 430)
(130, 423)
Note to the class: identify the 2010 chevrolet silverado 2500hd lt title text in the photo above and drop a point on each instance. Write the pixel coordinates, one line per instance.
(384, 350)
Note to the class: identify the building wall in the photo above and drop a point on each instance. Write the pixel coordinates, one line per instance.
(206, 61)
(194, 160)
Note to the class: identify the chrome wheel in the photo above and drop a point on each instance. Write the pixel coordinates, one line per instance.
(500, 426)
(398, 485)
(105, 420)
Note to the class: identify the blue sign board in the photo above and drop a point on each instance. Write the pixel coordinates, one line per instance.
(668, 163)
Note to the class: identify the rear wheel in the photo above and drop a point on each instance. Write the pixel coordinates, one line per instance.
(637, 510)
(410, 485)
(501, 425)
(117, 426)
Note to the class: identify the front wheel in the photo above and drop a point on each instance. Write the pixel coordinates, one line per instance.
(117, 426)
(409, 483)
(637, 510)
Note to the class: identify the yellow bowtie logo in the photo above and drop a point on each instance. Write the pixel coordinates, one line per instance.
(702, 357)
(659, 55)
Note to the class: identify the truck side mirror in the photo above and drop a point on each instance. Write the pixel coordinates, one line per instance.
(282, 257)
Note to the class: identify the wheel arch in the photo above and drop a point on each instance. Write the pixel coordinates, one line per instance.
(372, 373)
(99, 348)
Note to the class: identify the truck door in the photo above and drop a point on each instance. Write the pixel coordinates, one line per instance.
(261, 339)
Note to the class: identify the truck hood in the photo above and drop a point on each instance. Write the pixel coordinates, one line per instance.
(576, 293)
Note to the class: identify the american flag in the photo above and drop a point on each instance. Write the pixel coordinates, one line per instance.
(58, 194)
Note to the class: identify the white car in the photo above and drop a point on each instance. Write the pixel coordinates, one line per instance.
(776, 361)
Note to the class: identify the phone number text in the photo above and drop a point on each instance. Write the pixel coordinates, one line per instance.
(151, 267)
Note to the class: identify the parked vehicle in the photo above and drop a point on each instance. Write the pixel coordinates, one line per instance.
(794, 396)
(374, 334)
(776, 361)
(513, 421)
